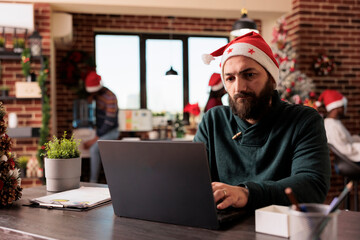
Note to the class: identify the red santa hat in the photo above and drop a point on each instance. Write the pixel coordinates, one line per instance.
(251, 45)
(93, 82)
(332, 99)
(215, 82)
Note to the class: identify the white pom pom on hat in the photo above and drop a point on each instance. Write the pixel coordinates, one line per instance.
(207, 58)
(251, 45)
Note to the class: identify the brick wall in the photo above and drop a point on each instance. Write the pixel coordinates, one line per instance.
(28, 110)
(331, 27)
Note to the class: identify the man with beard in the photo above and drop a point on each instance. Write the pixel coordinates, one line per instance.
(336, 133)
(261, 145)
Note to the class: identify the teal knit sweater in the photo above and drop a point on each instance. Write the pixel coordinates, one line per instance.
(286, 148)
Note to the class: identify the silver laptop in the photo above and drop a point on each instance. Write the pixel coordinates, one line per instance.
(161, 181)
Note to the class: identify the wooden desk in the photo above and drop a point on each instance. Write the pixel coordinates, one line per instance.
(101, 223)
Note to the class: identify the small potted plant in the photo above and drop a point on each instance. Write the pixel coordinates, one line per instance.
(22, 162)
(18, 45)
(4, 90)
(2, 44)
(62, 163)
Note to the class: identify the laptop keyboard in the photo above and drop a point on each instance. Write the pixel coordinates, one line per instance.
(229, 213)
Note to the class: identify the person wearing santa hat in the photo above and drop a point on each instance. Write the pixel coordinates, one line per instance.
(217, 91)
(337, 134)
(259, 145)
(106, 120)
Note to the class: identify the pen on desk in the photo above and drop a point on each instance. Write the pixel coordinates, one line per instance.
(342, 196)
(50, 205)
(335, 203)
(293, 200)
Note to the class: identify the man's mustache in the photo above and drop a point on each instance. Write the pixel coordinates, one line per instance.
(244, 94)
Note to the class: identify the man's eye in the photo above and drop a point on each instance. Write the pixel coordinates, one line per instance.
(249, 75)
(230, 78)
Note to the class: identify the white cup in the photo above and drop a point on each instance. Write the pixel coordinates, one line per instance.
(13, 121)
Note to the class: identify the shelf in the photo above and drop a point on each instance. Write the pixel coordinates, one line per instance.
(9, 98)
(23, 132)
(9, 55)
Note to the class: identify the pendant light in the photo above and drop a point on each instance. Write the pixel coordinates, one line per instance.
(171, 71)
(243, 25)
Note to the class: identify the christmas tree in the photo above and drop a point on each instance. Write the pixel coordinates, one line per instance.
(10, 180)
(294, 86)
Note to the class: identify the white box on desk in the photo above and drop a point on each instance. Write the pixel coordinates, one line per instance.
(273, 220)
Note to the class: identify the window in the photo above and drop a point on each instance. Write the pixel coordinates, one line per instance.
(117, 62)
(133, 66)
(164, 94)
(200, 73)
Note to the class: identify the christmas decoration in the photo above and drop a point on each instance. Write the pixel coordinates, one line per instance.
(25, 62)
(10, 180)
(44, 130)
(293, 86)
(323, 65)
(311, 101)
(193, 109)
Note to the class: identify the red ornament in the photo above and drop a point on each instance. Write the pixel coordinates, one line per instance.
(193, 109)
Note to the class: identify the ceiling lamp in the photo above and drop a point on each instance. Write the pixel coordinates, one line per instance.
(171, 72)
(243, 25)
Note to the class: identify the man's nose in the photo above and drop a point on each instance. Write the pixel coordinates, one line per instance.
(240, 85)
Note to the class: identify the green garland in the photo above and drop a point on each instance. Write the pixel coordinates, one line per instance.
(44, 130)
(25, 62)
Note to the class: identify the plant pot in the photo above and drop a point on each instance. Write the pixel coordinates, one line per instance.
(18, 50)
(22, 172)
(62, 174)
(4, 93)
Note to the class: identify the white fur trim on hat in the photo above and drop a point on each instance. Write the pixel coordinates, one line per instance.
(339, 103)
(218, 86)
(94, 88)
(248, 50)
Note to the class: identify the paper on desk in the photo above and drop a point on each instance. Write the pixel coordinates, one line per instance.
(83, 197)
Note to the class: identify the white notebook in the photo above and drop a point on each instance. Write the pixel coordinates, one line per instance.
(82, 198)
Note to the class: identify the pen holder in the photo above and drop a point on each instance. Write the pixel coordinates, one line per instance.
(314, 223)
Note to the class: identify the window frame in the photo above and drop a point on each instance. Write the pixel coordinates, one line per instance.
(185, 53)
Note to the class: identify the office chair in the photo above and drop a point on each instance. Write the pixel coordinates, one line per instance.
(347, 168)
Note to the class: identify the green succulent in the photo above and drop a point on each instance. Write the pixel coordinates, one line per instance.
(4, 87)
(62, 148)
(22, 161)
(2, 42)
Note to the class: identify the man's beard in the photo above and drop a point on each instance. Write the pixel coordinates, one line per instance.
(252, 107)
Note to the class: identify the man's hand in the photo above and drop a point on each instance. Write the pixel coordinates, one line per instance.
(227, 195)
(89, 143)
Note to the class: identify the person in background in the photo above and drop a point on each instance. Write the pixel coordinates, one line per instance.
(260, 145)
(106, 115)
(337, 134)
(216, 93)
